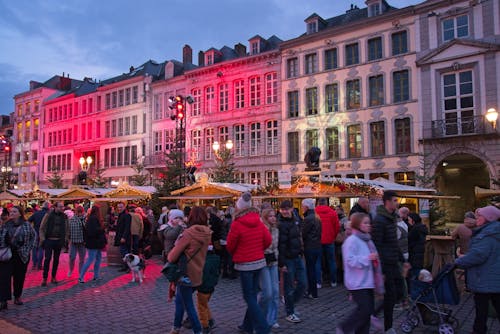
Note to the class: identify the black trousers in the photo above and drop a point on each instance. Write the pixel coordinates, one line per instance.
(482, 301)
(5, 281)
(51, 247)
(19, 269)
(394, 285)
(358, 321)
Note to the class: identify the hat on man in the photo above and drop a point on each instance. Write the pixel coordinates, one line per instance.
(175, 213)
(309, 203)
(286, 204)
(490, 212)
(244, 202)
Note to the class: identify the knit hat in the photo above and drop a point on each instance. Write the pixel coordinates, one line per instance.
(286, 204)
(490, 212)
(309, 203)
(244, 202)
(175, 213)
(470, 214)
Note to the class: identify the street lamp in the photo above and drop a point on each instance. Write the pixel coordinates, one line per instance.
(216, 147)
(224, 169)
(492, 116)
(85, 163)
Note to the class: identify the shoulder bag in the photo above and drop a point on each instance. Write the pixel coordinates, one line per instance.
(174, 271)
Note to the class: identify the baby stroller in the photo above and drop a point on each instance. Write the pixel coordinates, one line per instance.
(429, 303)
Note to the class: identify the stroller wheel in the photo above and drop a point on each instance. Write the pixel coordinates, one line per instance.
(413, 319)
(446, 329)
(407, 326)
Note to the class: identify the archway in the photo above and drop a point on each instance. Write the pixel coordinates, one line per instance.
(458, 174)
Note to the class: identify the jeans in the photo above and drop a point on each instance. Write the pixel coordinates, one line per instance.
(313, 256)
(254, 317)
(184, 302)
(358, 321)
(73, 250)
(329, 253)
(481, 301)
(295, 273)
(270, 293)
(95, 256)
(51, 247)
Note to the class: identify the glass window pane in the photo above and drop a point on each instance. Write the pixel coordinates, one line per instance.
(449, 79)
(450, 104)
(467, 102)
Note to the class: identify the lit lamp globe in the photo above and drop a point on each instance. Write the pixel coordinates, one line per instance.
(216, 146)
(229, 144)
(492, 116)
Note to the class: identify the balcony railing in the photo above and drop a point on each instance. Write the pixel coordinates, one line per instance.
(475, 125)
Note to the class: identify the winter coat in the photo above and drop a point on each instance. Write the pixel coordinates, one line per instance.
(193, 242)
(464, 234)
(123, 228)
(210, 273)
(290, 239)
(54, 226)
(311, 231)
(482, 261)
(136, 224)
(22, 238)
(95, 238)
(385, 237)
(170, 235)
(248, 237)
(416, 244)
(358, 208)
(330, 225)
(358, 268)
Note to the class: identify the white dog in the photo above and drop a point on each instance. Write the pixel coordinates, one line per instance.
(137, 266)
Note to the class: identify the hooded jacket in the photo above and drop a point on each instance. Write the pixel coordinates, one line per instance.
(385, 237)
(482, 261)
(311, 231)
(330, 225)
(248, 237)
(193, 241)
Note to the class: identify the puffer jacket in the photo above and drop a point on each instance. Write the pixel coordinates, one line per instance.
(416, 244)
(290, 243)
(330, 225)
(311, 231)
(385, 237)
(482, 261)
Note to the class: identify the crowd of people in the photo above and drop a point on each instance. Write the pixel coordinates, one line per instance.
(280, 255)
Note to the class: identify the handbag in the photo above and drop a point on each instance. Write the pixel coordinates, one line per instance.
(5, 254)
(174, 271)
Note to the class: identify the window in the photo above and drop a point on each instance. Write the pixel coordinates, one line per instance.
(98, 107)
(376, 84)
(458, 95)
(311, 63)
(36, 127)
(195, 107)
(169, 139)
(312, 101)
(106, 157)
(84, 108)
(120, 126)
(272, 137)
(135, 94)
(293, 146)
(331, 61)
(377, 136)
(113, 157)
(126, 156)
(157, 114)
(134, 124)
(196, 144)
(293, 104)
(292, 68)
(113, 129)
(401, 88)
(354, 141)
(127, 126)
(133, 155)
(399, 43)
(255, 138)
(157, 141)
(210, 59)
(239, 94)
(240, 177)
(223, 97)
(332, 143)
(114, 100)
(120, 98)
(97, 129)
(255, 47)
(223, 134)
(373, 176)
(271, 88)
(353, 94)
(332, 98)
(312, 27)
(119, 156)
(455, 27)
(351, 54)
(127, 96)
(406, 178)
(84, 131)
(374, 10)
(271, 177)
(70, 110)
(108, 103)
(27, 130)
(254, 177)
(403, 135)
(209, 140)
(239, 140)
(375, 48)
(255, 91)
(311, 139)
(209, 99)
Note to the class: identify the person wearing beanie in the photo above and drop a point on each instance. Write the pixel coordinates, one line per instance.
(171, 230)
(247, 239)
(482, 264)
(463, 233)
(416, 243)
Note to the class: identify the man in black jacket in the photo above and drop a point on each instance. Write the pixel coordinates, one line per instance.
(290, 259)
(311, 235)
(123, 237)
(384, 235)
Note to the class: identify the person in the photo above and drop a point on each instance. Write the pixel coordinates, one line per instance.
(36, 219)
(217, 227)
(193, 242)
(330, 227)
(384, 236)
(5, 266)
(76, 240)
(362, 205)
(482, 264)
(416, 243)
(463, 233)
(171, 231)
(163, 216)
(123, 238)
(95, 241)
(269, 282)
(290, 259)
(207, 288)
(226, 259)
(246, 241)
(22, 238)
(136, 227)
(402, 234)
(404, 214)
(110, 219)
(54, 232)
(363, 275)
(311, 238)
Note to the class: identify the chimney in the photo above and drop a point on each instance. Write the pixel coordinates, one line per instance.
(187, 55)
(201, 58)
(64, 83)
(241, 50)
(131, 69)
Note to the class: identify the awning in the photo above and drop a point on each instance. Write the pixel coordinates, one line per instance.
(199, 197)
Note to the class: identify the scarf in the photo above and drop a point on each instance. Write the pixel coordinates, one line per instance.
(377, 270)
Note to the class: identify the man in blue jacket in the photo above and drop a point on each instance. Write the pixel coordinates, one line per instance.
(482, 262)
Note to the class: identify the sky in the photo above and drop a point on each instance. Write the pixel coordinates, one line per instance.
(102, 39)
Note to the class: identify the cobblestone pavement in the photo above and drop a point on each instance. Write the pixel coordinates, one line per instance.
(115, 305)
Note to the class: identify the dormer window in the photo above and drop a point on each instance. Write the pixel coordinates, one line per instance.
(255, 47)
(312, 26)
(455, 27)
(374, 10)
(209, 58)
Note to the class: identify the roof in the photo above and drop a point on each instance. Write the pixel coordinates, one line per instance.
(150, 67)
(214, 188)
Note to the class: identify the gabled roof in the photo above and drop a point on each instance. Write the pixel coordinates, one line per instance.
(456, 48)
(215, 188)
(77, 192)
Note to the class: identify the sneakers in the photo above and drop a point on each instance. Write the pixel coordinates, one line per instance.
(293, 318)
(333, 285)
(309, 296)
(376, 323)
(211, 324)
(318, 286)
(81, 281)
(175, 331)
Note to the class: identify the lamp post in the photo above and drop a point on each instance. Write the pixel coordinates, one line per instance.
(224, 169)
(492, 116)
(85, 166)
